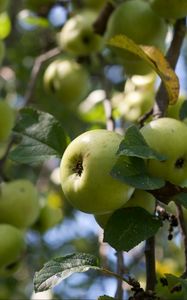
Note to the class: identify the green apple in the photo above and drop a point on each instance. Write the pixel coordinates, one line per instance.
(3, 5)
(147, 28)
(169, 137)
(77, 35)
(6, 120)
(19, 204)
(139, 198)
(170, 9)
(68, 80)
(85, 173)
(11, 249)
(173, 111)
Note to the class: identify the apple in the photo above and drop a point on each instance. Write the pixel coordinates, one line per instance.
(169, 137)
(85, 173)
(77, 36)
(139, 198)
(173, 111)
(147, 28)
(11, 249)
(19, 204)
(170, 9)
(68, 80)
(3, 5)
(6, 120)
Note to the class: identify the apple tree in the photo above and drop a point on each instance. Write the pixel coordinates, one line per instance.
(93, 149)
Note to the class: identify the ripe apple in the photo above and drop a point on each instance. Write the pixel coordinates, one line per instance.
(85, 173)
(147, 28)
(170, 9)
(11, 249)
(3, 5)
(169, 137)
(139, 198)
(19, 205)
(68, 80)
(6, 120)
(77, 35)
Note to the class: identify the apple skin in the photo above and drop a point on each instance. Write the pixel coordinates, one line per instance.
(169, 137)
(139, 31)
(77, 36)
(85, 173)
(139, 198)
(68, 80)
(11, 249)
(19, 204)
(6, 120)
(170, 9)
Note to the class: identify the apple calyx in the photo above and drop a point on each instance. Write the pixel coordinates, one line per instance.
(179, 163)
(78, 169)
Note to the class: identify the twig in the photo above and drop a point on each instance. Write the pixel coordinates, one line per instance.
(35, 71)
(182, 224)
(172, 57)
(120, 271)
(101, 22)
(150, 264)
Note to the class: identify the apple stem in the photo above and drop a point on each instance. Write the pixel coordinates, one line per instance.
(101, 22)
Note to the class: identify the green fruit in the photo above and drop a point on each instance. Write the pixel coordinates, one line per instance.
(139, 198)
(173, 111)
(48, 218)
(168, 137)
(6, 120)
(147, 28)
(77, 35)
(170, 9)
(68, 80)
(19, 205)
(3, 5)
(11, 249)
(85, 173)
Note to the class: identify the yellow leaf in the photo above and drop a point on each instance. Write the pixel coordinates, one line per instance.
(155, 58)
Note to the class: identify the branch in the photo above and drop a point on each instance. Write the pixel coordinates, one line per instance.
(101, 22)
(172, 57)
(120, 271)
(35, 72)
(150, 264)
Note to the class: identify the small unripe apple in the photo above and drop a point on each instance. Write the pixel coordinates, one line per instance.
(6, 120)
(170, 9)
(147, 28)
(168, 137)
(11, 249)
(19, 205)
(68, 80)
(85, 173)
(139, 198)
(77, 35)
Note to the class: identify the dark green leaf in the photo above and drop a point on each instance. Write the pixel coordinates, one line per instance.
(57, 269)
(181, 199)
(183, 111)
(132, 170)
(134, 144)
(128, 227)
(42, 137)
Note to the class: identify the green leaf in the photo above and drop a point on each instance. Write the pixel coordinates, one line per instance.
(57, 269)
(181, 199)
(105, 297)
(134, 144)
(42, 137)
(132, 170)
(129, 226)
(5, 25)
(176, 281)
(183, 111)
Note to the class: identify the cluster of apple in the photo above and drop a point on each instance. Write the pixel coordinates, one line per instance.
(88, 160)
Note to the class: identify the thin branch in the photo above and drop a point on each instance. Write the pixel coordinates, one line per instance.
(150, 264)
(120, 271)
(101, 23)
(172, 57)
(182, 224)
(35, 72)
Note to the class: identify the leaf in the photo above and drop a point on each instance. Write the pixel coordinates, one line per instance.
(181, 199)
(134, 144)
(42, 137)
(57, 269)
(5, 25)
(129, 226)
(132, 170)
(155, 58)
(183, 111)
(176, 281)
(105, 297)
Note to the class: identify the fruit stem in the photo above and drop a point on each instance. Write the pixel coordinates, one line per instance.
(101, 22)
